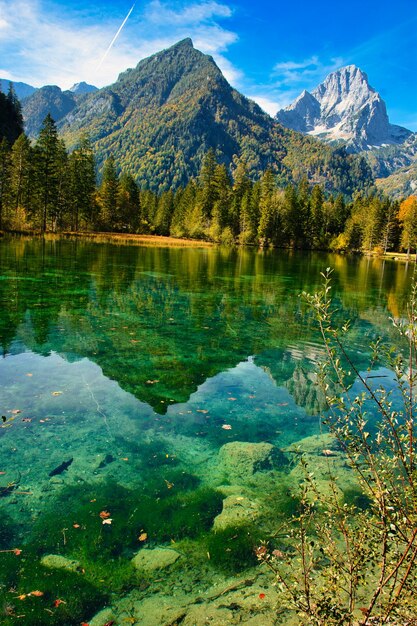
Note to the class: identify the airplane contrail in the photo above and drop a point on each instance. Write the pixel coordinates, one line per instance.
(113, 41)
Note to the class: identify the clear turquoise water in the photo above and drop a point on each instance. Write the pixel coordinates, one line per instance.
(130, 361)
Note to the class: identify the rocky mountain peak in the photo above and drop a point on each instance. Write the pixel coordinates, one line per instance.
(83, 88)
(344, 108)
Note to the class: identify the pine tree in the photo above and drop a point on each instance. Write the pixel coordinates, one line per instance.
(372, 223)
(267, 216)
(242, 187)
(128, 203)
(11, 120)
(164, 213)
(4, 179)
(21, 172)
(82, 182)
(206, 186)
(108, 193)
(183, 207)
(15, 109)
(317, 231)
(47, 165)
(220, 214)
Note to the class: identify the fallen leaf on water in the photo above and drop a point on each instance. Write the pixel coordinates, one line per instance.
(36, 593)
(143, 537)
(124, 458)
(57, 393)
(232, 399)
(107, 521)
(226, 427)
(104, 514)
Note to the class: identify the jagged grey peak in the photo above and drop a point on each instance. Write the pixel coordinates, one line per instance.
(344, 108)
(82, 88)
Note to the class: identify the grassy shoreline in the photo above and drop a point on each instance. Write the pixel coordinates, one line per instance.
(119, 238)
(166, 241)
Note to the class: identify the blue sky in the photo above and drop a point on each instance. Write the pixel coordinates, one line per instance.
(270, 51)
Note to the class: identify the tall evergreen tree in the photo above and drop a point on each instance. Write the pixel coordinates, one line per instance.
(4, 178)
(47, 169)
(164, 213)
(21, 172)
(206, 185)
(128, 203)
(267, 213)
(108, 194)
(183, 207)
(11, 120)
(82, 182)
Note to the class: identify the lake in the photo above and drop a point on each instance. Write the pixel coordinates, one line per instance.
(152, 399)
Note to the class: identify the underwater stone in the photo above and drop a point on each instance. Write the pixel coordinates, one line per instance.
(56, 561)
(104, 617)
(236, 510)
(243, 459)
(158, 558)
(315, 445)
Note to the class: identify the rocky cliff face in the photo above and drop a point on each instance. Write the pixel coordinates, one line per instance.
(345, 109)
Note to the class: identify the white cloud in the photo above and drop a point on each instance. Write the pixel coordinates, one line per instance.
(307, 73)
(43, 45)
(158, 13)
(5, 74)
(287, 66)
(267, 104)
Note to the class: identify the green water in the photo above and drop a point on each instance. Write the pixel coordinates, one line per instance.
(138, 365)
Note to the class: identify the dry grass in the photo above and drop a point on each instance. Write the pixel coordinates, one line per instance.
(118, 238)
(139, 240)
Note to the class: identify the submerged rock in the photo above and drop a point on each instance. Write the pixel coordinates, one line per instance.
(56, 561)
(241, 460)
(101, 619)
(236, 510)
(157, 558)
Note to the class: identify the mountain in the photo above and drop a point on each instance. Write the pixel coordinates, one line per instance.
(83, 88)
(344, 109)
(388, 159)
(401, 183)
(22, 90)
(160, 118)
(50, 99)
